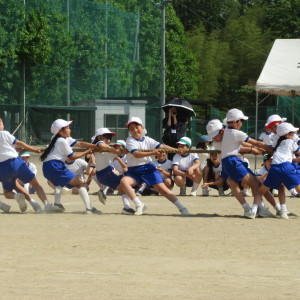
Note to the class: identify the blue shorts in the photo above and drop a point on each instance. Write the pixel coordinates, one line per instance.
(145, 173)
(108, 177)
(57, 173)
(14, 168)
(285, 173)
(234, 168)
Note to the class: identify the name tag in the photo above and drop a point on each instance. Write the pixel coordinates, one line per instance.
(173, 130)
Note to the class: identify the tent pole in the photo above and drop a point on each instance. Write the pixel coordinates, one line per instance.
(294, 99)
(256, 122)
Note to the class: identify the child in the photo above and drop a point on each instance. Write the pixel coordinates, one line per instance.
(105, 173)
(26, 157)
(212, 175)
(282, 170)
(140, 168)
(246, 191)
(186, 167)
(120, 161)
(13, 167)
(54, 168)
(266, 136)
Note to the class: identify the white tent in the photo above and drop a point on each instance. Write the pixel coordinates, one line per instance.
(281, 72)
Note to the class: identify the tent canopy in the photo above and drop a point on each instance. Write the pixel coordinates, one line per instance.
(281, 72)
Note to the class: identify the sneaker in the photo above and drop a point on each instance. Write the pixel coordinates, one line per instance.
(247, 193)
(21, 201)
(182, 191)
(205, 192)
(284, 214)
(4, 207)
(101, 197)
(128, 211)
(140, 210)
(36, 207)
(138, 193)
(93, 211)
(221, 193)
(58, 207)
(49, 208)
(184, 211)
(249, 214)
(193, 193)
(265, 213)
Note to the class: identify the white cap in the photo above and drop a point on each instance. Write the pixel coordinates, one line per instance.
(235, 115)
(101, 131)
(225, 122)
(58, 124)
(134, 120)
(213, 127)
(274, 119)
(120, 142)
(185, 141)
(285, 128)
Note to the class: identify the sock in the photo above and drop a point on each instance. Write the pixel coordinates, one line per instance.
(32, 202)
(254, 208)
(178, 204)
(142, 188)
(126, 201)
(105, 189)
(57, 194)
(261, 204)
(137, 201)
(246, 206)
(283, 207)
(85, 197)
(195, 187)
(277, 207)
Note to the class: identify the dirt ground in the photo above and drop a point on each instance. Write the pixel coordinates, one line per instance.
(213, 254)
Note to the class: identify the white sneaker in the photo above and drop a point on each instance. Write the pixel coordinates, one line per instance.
(205, 192)
(184, 211)
(58, 207)
(265, 213)
(140, 210)
(49, 208)
(193, 193)
(249, 214)
(101, 196)
(4, 207)
(21, 201)
(284, 214)
(93, 211)
(247, 193)
(36, 207)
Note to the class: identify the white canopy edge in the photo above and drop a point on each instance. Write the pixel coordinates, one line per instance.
(281, 72)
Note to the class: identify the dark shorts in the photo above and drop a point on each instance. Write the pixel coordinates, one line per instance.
(108, 177)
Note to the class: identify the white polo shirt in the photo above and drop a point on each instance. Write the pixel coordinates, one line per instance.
(32, 167)
(133, 145)
(117, 165)
(71, 141)
(7, 150)
(285, 152)
(184, 161)
(266, 138)
(166, 165)
(102, 159)
(78, 167)
(231, 142)
(61, 150)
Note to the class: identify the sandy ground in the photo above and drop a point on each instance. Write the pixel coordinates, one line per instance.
(213, 254)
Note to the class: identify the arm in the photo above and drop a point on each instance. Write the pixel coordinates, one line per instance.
(107, 148)
(191, 169)
(176, 171)
(78, 155)
(27, 147)
(166, 173)
(218, 181)
(259, 144)
(121, 162)
(81, 144)
(139, 154)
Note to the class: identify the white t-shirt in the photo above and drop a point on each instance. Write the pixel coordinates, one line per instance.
(262, 171)
(231, 142)
(275, 138)
(166, 165)
(102, 159)
(7, 150)
(285, 151)
(78, 167)
(217, 169)
(61, 150)
(117, 165)
(133, 145)
(266, 138)
(184, 162)
(71, 141)
(32, 167)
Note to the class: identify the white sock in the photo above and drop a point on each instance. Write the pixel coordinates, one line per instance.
(178, 204)
(26, 186)
(57, 194)
(261, 204)
(142, 188)
(246, 206)
(137, 201)
(126, 201)
(277, 207)
(105, 189)
(195, 187)
(85, 197)
(254, 208)
(32, 202)
(283, 207)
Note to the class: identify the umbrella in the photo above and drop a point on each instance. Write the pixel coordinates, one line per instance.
(183, 107)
